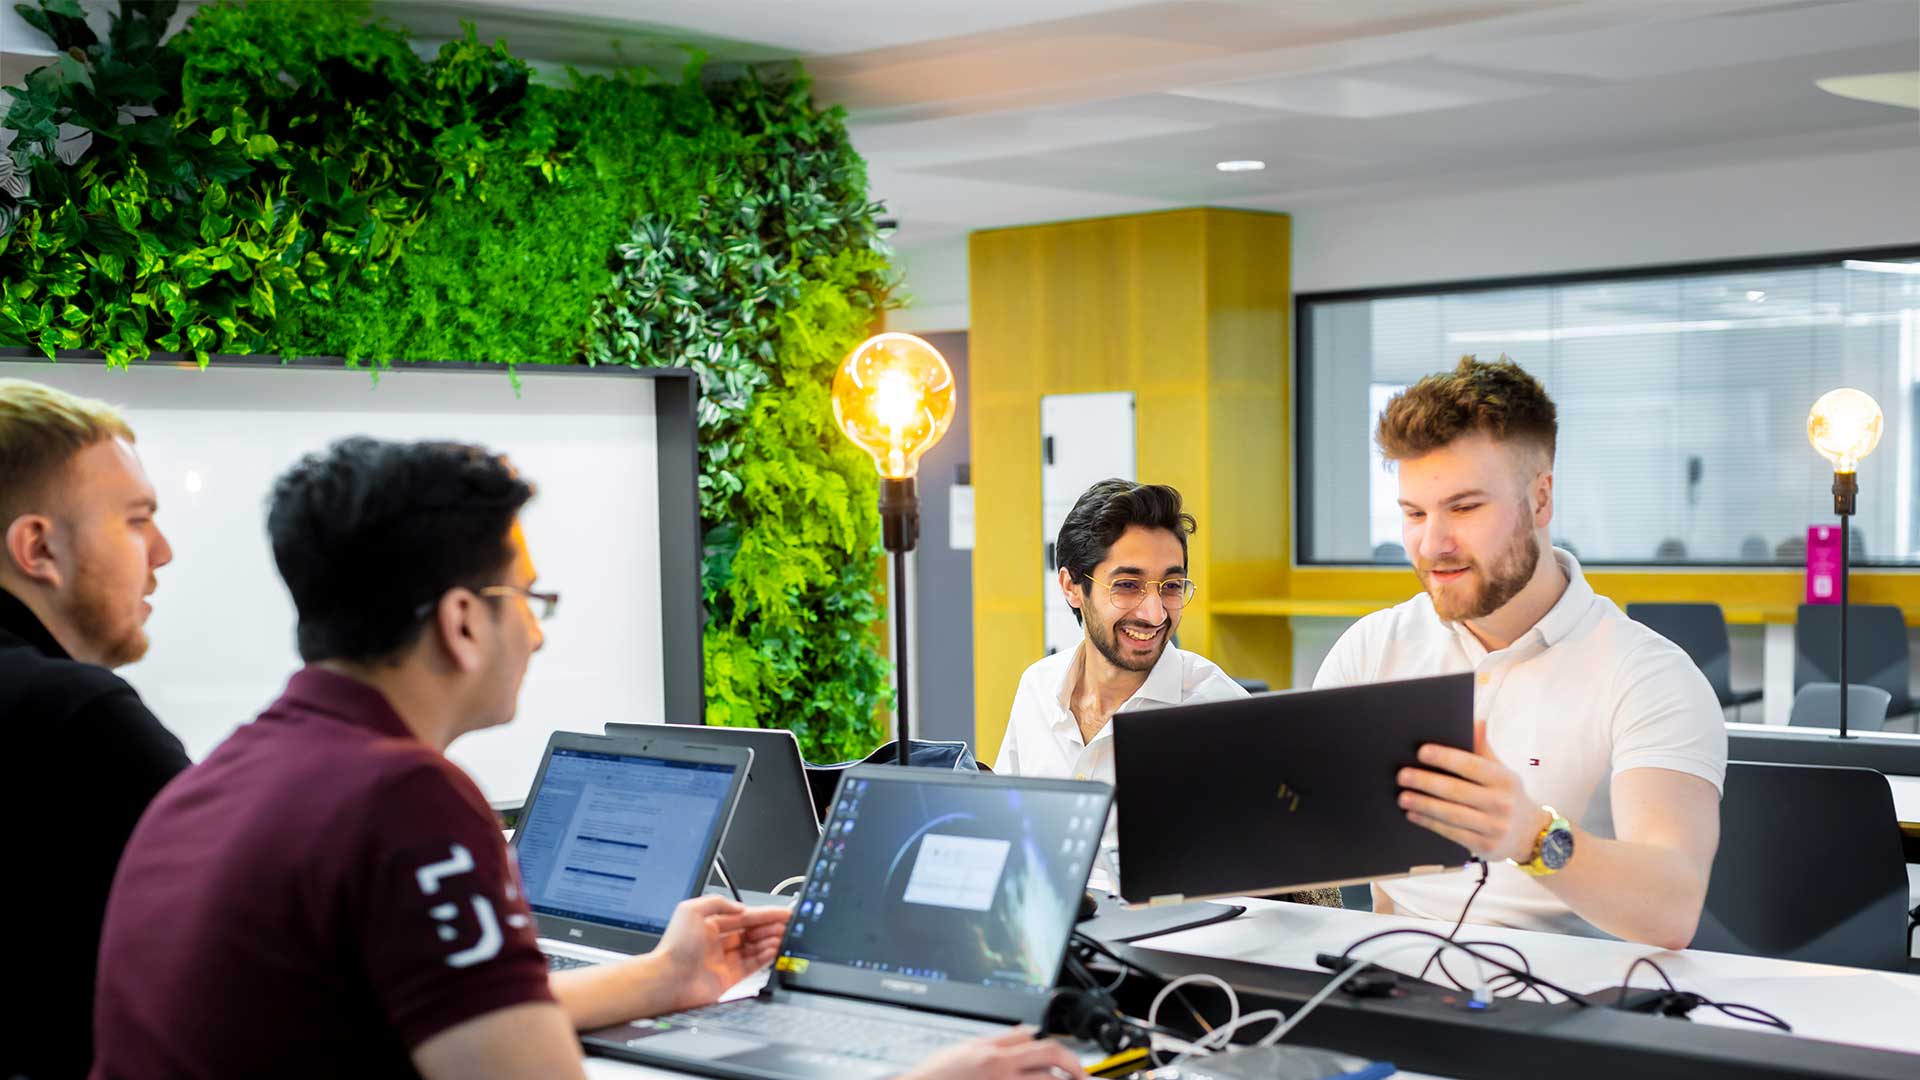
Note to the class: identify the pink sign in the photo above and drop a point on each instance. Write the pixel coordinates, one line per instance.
(1823, 564)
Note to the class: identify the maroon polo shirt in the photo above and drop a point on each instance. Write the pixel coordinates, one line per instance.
(318, 897)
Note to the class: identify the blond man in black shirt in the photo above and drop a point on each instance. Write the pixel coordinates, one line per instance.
(78, 550)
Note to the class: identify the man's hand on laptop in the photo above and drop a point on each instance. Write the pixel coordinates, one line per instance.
(712, 943)
(1010, 1054)
(1476, 801)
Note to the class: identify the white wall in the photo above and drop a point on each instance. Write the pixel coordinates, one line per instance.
(1774, 207)
(1785, 205)
(222, 627)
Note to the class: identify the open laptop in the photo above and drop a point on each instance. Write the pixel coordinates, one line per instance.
(1282, 791)
(615, 834)
(937, 910)
(775, 828)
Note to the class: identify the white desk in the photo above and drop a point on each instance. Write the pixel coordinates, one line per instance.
(1906, 798)
(1835, 1004)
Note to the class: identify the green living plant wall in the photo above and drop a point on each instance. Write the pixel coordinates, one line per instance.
(298, 179)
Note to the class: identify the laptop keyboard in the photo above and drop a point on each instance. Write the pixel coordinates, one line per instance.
(821, 1029)
(556, 962)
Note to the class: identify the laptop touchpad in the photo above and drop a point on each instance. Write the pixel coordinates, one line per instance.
(704, 1045)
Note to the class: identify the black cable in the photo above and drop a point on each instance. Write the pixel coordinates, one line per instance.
(1088, 941)
(1518, 973)
(1752, 1014)
(1458, 923)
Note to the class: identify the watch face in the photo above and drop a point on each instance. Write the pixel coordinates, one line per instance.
(1556, 848)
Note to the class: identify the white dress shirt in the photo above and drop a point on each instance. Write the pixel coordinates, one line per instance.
(1043, 738)
(1582, 697)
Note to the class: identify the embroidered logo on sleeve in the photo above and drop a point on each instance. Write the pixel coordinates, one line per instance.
(430, 876)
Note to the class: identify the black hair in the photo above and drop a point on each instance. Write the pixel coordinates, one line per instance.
(1103, 513)
(368, 532)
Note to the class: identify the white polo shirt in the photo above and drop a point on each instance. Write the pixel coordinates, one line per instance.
(1584, 696)
(1043, 738)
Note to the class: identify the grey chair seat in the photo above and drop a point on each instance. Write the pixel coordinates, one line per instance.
(1877, 652)
(1818, 705)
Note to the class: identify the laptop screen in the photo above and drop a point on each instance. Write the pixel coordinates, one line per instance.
(919, 890)
(619, 839)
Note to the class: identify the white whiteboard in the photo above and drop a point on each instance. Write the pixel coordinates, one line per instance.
(222, 627)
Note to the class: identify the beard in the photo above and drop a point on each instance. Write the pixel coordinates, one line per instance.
(1499, 581)
(1105, 638)
(100, 618)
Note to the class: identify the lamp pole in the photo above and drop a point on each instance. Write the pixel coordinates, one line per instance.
(899, 531)
(1846, 485)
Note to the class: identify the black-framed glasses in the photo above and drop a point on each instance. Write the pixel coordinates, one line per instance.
(542, 604)
(1127, 592)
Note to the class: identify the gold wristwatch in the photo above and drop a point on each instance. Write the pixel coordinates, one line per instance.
(1552, 849)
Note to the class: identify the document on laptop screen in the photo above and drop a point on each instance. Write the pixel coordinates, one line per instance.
(618, 839)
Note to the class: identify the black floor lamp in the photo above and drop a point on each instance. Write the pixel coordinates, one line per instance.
(893, 397)
(1844, 427)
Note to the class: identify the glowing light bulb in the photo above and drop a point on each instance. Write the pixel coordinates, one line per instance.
(1844, 427)
(893, 396)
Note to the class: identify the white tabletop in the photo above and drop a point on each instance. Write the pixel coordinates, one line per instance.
(1906, 797)
(1849, 1005)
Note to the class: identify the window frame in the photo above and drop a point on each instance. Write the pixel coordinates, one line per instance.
(1303, 304)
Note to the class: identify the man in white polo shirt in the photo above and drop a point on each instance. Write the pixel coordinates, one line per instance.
(1594, 788)
(1122, 554)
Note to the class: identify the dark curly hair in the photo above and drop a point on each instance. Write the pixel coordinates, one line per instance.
(1499, 399)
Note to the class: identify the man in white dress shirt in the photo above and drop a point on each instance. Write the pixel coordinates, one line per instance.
(1122, 554)
(1600, 750)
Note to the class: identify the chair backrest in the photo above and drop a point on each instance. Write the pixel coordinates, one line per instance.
(1754, 549)
(1701, 632)
(1670, 550)
(1818, 705)
(1389, 552)
(1810, 868)
(1877, 652)
(824, 780)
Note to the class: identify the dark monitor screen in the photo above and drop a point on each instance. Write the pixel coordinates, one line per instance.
(921, 889)
(620, 839)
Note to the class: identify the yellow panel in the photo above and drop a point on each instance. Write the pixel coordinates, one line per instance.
(1189, 309)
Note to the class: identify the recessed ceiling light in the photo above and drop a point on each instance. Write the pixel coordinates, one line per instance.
(1901, 88)
(1239, 166)
(1755, 296)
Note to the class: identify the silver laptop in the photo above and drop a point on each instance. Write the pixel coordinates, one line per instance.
(775, 828)
(937, 909)
(617, 833)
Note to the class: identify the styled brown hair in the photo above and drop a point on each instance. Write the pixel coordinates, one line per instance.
(1499, 399)
(41, 429)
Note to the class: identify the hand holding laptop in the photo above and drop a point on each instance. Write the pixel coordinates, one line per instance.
(712, 943)
(1476, 802)
(1012, 1054)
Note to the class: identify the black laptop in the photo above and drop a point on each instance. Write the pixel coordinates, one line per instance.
(615, 834)
(1282, 791)
(775, 828)
(937, 910)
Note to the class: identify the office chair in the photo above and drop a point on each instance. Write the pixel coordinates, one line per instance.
(1877, 652)
(1791, 550)
(1701, 631)
(1389, 553)
(1818, 705)
(1671, 550)
(1754, 550)
(1810, 868)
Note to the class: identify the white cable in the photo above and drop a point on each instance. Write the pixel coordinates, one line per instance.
(1233, 999)
(777, 889)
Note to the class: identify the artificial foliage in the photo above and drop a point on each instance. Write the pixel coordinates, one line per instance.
(301, 179)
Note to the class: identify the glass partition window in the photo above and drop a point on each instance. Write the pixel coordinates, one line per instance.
(1682, 395)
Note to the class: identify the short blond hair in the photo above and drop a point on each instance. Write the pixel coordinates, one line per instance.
(41, 430)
